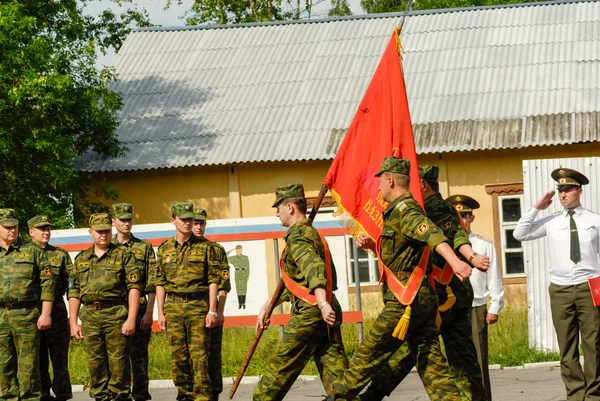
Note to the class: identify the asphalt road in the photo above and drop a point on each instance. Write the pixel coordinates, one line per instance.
(531, 384)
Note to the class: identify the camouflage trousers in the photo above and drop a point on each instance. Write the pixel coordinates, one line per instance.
(189, 342)
(138, 355)
(54, 347)
(107, 352)
(421, 339)
(456, 332)
(305, 336)
(19, 346)
(215, 361)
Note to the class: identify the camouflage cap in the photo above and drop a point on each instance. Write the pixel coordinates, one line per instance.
(183, 210)
(100, 221)
(429, 172)
(39, 221)
(394, 165)
(238, 247)
(199, 214)
(288, 191)
(8, 218)
(566, 178)
(122, 211)
(463, 203)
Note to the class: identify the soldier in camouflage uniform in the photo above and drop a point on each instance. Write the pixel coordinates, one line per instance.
(108, 281)
(215, 361)
(122, 220)
(456, 322)
(188, 274)
(54, 342)
(406, 233)
(314, 327)
(242, 274)
(27, 280)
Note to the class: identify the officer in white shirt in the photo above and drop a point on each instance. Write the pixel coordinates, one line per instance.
(484, 285)
(573, 245)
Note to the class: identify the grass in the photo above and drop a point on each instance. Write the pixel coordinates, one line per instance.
(508, 346)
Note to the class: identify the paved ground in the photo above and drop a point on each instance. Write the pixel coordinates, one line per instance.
(532, 384)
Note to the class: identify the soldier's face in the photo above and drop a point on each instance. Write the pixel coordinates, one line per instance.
(101, 238)
(122, 226)
(9, 234)
(238, 251)
(184, 226)
(284, 211)
(199, 228)
(40, 234)
(570, 197)
(467, 219)
(385, 186)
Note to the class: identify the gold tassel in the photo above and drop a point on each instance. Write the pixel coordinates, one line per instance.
(402, 327)
(438, 320)
(449, 302)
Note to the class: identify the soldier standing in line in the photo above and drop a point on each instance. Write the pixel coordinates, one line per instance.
(108, 282)
(122, 220)
(188, 276)
(54, 342)
(215, 361)
(314, 328)
(455, 297)
(27, 280)
(242, 274)
(403, 250)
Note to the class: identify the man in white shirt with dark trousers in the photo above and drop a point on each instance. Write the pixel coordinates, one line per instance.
(488, 284)
(573, 245)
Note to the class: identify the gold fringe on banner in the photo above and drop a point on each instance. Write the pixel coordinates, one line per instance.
(345, 218)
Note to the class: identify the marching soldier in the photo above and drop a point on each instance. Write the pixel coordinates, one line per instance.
(215, 361)
(54, 342)
(122, 220)
(108, 282)
(188, 275)
(310, 279)
(27, 280)
(242, 274)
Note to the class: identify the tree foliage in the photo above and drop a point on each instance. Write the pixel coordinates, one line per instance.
(55, 104)
(387, 6)
(339, 8)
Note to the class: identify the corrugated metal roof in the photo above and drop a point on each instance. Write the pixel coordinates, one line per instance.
(272, 92)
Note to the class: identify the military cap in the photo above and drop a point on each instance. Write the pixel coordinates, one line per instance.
(566, 178)
(183, 210)
(463, 203)
(238, 247)
(199, 214)
(394, 165)
(100, 221)
(8, 218)
(39, 221)
(288, 191)
(122, 211)
(429, 172)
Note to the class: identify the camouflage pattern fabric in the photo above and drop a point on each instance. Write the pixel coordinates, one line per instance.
(215, 362)
(242, 273)
(306, 335)
(405, 233)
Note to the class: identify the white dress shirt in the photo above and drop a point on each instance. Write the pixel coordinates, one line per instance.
(487, 284)
(556, 227)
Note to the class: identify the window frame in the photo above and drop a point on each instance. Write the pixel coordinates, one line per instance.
(373, 265)
(504, 227)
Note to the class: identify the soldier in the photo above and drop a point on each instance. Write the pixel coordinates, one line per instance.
(485, 285)
(27, 280)
(55, 341)
(314, 328)
(188, 274)
(242, 274)
(107, 280)
(122, 220)
(215, 361)
(410, 302)
(455, 297)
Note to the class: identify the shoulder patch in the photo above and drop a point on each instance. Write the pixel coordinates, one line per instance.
(483, 238)
(446, 226)
(133, 277)
(423, 228)
(402, 206)
(47, 272)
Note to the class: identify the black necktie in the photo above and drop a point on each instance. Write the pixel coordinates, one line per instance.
(575, 252)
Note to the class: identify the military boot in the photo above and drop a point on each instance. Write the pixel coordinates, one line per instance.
(372, 393)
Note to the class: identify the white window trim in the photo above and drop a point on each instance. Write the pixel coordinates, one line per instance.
(508, 226)
(373, 267)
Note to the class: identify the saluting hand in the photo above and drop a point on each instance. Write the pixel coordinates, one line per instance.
(328, 314)
(481, 262)
(461, 269)
(545, 201)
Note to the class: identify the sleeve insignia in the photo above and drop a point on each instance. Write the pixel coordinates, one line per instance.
(47, 272)
(446, 226)
(133, 278)
(225, 274)
(423, 228)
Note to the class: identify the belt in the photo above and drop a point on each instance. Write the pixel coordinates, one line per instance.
(104, 304)
(188, 296)
(241, 268)
(19, 305)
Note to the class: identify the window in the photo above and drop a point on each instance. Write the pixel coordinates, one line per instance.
(368, 271)
(509, 213)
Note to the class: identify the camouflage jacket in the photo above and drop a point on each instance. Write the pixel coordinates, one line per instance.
(108, 278)
(221, 257)
(143, 252)
(25, 274)
(61, 264)
(303, 259)
(190, 267)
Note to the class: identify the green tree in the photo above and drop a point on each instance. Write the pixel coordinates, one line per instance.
(339, 8)
(55, 104)
(386, 6)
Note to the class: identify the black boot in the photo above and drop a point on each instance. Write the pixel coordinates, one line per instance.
(372, 393)
(215, 397)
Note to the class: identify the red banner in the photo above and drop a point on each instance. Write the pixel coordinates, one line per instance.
(381, 127)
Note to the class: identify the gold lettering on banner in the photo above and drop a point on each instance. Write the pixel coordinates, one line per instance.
(371, 209)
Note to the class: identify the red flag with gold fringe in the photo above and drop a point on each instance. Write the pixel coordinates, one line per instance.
(381, 127)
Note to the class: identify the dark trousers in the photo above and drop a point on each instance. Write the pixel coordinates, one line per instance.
(138, 355)
(480, 338)
(54, 347)
(574, 313)
(215, 361)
